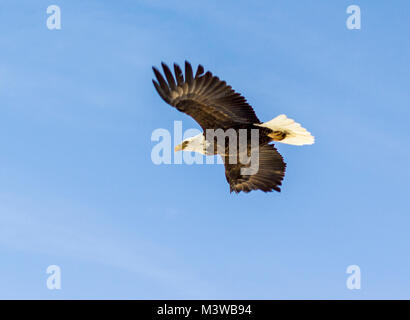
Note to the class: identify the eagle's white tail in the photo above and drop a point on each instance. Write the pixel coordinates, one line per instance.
(288, 131)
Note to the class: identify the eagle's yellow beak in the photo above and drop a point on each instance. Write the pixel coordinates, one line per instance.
(178, 148)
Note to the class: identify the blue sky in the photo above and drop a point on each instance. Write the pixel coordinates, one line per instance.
(78, 188)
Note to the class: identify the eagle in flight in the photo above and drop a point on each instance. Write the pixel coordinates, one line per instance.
(215, 105)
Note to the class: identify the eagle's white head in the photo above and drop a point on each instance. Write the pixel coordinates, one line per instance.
(195, 144)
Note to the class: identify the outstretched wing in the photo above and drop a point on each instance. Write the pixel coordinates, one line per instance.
(211, 102)
(268, 177)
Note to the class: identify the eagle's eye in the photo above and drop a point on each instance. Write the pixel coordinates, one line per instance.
(184, 144)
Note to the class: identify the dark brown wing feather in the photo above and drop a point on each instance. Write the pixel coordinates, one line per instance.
(211, 102)
(268, 178)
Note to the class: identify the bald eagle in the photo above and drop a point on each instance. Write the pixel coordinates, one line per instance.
(215, 105)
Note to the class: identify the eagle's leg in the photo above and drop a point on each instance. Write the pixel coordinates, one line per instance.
(278, 135)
